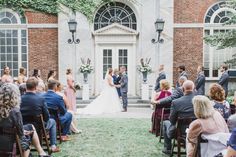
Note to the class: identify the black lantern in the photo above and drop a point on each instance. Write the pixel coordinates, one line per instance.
(72, 28)
(159, 25)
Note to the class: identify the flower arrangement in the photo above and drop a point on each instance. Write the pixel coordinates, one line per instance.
(86, 66)
(145, 67)
(77, 87)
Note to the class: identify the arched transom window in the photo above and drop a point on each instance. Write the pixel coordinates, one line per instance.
(215, 17)
(115, 12)
(13, 41)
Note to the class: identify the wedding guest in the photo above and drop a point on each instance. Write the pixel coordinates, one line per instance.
(70, 91)
(181, 107)
(21, 77)
(160, 77)
(6, 76)
(22, 88)
(224, 79)
(217, 94)
(55, 101)
(116, 80)
(164, 92)
(69, 107)
(231, 152)
(10, 117)
(177, 93)
(41, 86)
(209, 121)
(200, 81)
(34, 104)
(51, 75)
(182, 72)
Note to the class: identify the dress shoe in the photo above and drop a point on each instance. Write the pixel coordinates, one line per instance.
(55, 149)
(166, 151)
(65, 138)
(124, 110)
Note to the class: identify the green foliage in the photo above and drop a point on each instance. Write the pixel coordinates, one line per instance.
(227, 39)
(86, 7)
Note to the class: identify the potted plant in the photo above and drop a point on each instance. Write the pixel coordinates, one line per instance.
(145, 68)
(85, 68)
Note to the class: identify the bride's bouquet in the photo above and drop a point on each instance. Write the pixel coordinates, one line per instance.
(86, 66)
(145, 67)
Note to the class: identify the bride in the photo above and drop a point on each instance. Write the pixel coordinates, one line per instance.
(107, 102)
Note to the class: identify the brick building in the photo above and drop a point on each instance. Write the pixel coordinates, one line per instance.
(120, 34)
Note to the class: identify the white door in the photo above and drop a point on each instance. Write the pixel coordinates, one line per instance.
(113, 57)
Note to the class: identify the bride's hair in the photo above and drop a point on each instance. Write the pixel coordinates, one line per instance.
(109, 71)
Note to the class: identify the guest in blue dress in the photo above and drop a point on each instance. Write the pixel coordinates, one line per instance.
(116, 80)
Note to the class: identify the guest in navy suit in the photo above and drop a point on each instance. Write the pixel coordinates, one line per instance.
(55, 101)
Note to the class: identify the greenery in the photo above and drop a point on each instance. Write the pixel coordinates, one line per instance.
(112, 138)
(144, 66)
(227, 39)
(86, 66)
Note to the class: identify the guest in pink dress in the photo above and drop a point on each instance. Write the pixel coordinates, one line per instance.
(70, 91)
(156, 115)
(7, 78)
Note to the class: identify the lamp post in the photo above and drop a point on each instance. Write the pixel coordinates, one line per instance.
(159, 25)
(72, 28)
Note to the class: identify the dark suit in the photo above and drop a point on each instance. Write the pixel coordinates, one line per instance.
(200, 84)
(55, 101)
(177, 93)
(124, 89)
(184, 73)
(116, 81)
(181, 107)
(224, 80)
(161, 76)
(34, 104)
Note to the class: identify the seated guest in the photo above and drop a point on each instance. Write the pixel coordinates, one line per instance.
(164, 87)
(209, 121)
(10, 117)
(231, 152)
(34, 104)
(177, 93)
(69, 107)
(217, 95)
(232, 122)
(55, 101)
(181, 107)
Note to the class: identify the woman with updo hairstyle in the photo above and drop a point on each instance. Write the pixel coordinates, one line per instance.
(41, 86)
(10, 117)
(217, 94)
(21, 77)
(7, 78)
(164, 92)
(51, 75)
(209, 121)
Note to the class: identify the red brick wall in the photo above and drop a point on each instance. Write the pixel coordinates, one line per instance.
(188, 42)
(191, 11)
(42, 43)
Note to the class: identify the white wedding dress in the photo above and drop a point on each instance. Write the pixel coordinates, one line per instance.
(107, 102)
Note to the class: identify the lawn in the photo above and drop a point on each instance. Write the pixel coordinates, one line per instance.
(112, 138)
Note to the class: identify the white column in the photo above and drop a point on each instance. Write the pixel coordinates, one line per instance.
(85, 93)
(145, 91)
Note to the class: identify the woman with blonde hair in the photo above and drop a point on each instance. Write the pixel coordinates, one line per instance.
(208, 121)
(217, 94)
(164, 92)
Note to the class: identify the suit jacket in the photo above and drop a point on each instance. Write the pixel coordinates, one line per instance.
(184, 73)
(224, 80)
(116, 79)
(161, 76)
(181, 107)
(33, 104)
(200, 84)
(178, 92)
(55, 101)
(124, 83)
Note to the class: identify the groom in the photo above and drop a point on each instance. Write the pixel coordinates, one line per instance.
(124, 87)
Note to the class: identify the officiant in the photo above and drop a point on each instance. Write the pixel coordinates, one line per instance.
(116, 80)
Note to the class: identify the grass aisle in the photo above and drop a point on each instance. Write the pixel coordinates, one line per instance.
(112, 138)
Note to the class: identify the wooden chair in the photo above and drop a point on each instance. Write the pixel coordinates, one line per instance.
(164, 114)
(55, 114)
(39, 125)
(180, 135)
(197, 150)
(11, 134)
(232, 108)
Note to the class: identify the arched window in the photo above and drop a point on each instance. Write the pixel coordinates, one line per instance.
(216, 16)
(13, 41)
(115, 12)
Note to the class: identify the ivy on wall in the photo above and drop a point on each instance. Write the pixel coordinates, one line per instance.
(86, 7)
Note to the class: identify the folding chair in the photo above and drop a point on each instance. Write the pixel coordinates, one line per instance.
(165, 113)
(197, 150)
